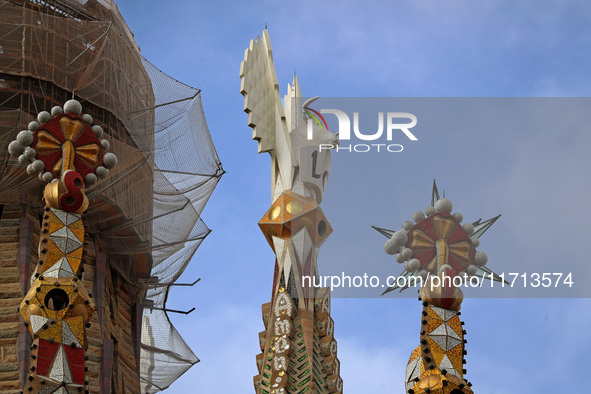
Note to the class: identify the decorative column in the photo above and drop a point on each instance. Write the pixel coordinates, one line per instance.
(439, 251)
(298, 349)
(67, 154)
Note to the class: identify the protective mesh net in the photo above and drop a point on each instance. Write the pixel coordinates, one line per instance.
(148, 209)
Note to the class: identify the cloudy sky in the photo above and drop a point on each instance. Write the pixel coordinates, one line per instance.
(525, 159)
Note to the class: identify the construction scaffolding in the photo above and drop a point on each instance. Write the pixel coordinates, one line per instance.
(147, 213)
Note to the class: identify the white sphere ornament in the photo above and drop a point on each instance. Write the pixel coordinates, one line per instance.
(40, 176)
(413, 265)
(97, 130)
(15, 149)
(458, 216)
(443, 204)
(406, 253)
(57, 110)
(30, 170)
(87, 118)
(480, 259)
(423, 274)
(400, 258)
(44, 117)
(468, 228)
(407, 225)
(23, 160)
(476, 242)
(389, 247)
(471, 270)
(101, 172)
(25, 137)
(105, 144)
(429, 211)
(399, 238)
(34, 125)
(30, 152)
(418, 216)
(110, 160)
(47, 176)
(73, 106)
(90, 179)
(38, 165)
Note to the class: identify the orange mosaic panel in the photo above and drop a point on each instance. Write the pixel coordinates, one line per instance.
(291, 213)
(57, 299)
(53, 333)
(76, 324)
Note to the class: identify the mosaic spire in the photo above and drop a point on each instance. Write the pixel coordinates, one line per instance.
(69, 155)
(298, 349)
(436, 248)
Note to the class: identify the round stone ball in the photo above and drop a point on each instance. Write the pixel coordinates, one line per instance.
(87, 118)
(30, 169)
(418, 216)
(98, 131)
(413, 265)
(30, 152)
(458, 216)
(25, 137)
(468, 228)
(47, 176)
(423, 274)
(44, 117)
(480, 259)
(443, 204)
(105, 144)
(400, 258)
(33, 125)
(399, 238)
(73, 106)
(24, 160)
(57, 110)
(110, 160)
(90, 179)
(389, 247)
(102, 172)
(407, 253)
(429, 211)
(15, 148)
(476, 242)
(38, 165)
(471, 270)
(407, 225)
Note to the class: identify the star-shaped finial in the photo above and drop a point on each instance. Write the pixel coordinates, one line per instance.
(437, 242)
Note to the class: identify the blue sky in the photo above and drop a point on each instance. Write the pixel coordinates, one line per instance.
(537, 177)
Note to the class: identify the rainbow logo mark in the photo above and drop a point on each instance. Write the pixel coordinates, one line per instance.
(315, 115)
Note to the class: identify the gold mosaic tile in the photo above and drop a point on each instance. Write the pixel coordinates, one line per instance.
(76, 324)
(54, 332)
(78, 232)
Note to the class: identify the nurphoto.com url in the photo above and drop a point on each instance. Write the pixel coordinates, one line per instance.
(510, 279)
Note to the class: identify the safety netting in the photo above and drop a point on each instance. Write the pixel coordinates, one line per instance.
(148, 210)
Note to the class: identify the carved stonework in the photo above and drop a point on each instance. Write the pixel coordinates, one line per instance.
(298, 349)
